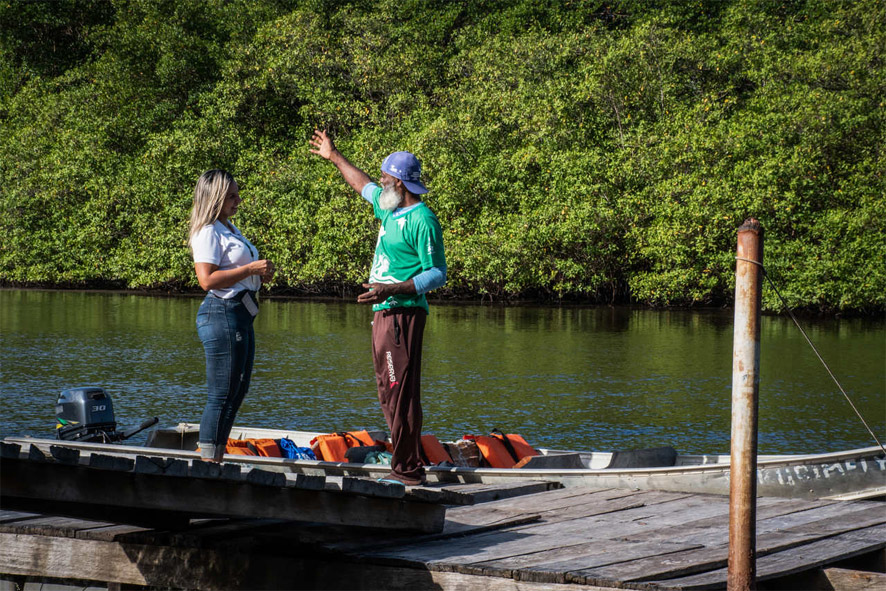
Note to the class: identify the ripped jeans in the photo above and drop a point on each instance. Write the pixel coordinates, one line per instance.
(225, 327)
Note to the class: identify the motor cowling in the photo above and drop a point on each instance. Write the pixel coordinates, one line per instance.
(85, 414)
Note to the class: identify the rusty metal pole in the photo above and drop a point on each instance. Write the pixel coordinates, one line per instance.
(745, 390)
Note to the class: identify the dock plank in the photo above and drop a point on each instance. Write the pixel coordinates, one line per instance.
(551, 565)
(559, 539)
(854, 580)
(551, 500)
(636, 513)
(471, 494)
(791, 561)
(54, 526)
(476, 548)
(111, 532)
(698, 559)
(713, 554)
(87, 486)
(586, 506)
(771, 516)
(9, 516)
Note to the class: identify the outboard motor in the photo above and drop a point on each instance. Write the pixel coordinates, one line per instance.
(87, 414)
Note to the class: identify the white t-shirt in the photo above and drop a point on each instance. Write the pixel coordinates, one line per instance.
(218, 245)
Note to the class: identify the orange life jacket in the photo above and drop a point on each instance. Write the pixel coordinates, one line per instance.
(266, 447)
(363, 437)
(521, 448)
(433, 450)
(332, 447)
(239, 447)
(494, 449)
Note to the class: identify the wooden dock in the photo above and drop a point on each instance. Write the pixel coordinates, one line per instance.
(151, 490)
(170, 523)
(567, 539)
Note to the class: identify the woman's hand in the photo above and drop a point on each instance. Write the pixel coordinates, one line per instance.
(264, 268)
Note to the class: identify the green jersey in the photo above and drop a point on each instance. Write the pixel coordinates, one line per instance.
(409, 242)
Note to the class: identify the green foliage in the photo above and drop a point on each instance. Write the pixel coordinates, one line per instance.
(598, 152)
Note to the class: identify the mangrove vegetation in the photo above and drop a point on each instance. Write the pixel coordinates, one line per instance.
(576, 151)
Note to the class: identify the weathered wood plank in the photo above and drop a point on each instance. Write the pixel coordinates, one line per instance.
(35, 454)
(711, 530)
(51, 525)
(330, 575)
(10, 450)
(352, 542)
(842, 579)
(714, 553)
(134, 564)
(305, 481)
(529, 508)
(479, 548)
(64, 455)
(475, 548)
(364, 486)
(110, 533)
(551, 500)
(632, 514)
(567, 526)
(684, 563)
(164, 466)
(86, 486)
(96, 512)
(471, 494)
(68, 558)
(429, 553)
(201, 469)
(7, 516)
(106, 462)
(261, 477)
(551, 565)
(791, 561)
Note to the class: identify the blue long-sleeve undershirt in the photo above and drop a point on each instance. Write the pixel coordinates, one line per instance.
(431, 279)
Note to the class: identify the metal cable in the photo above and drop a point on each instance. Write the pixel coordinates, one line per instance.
(803, 332)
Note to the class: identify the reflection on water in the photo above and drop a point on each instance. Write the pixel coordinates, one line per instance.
(579, 378)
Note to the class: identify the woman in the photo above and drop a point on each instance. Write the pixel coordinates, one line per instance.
(228, 268)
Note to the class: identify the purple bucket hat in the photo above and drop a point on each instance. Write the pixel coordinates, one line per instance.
(406, 167)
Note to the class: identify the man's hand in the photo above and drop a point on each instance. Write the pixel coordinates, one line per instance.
(325, 148)
(379, 292)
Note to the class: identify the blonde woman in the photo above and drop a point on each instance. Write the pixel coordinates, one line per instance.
(228, 268)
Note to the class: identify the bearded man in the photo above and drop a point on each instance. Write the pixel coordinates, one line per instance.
(409, 262)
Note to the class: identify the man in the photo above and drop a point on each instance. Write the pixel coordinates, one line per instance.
(409, 261)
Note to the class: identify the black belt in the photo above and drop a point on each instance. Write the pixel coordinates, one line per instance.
(239, 295)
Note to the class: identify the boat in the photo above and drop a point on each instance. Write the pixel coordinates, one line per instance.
(845, 475)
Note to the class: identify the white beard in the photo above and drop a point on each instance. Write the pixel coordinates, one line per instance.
(389, 199)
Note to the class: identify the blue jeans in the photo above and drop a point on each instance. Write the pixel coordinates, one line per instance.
(225, 327)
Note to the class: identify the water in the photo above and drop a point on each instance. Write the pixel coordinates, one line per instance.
(574, 378)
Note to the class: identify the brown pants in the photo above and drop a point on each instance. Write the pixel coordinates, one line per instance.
(396, 351)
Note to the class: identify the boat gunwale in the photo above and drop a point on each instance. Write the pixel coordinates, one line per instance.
(528, 473)
(762, 459)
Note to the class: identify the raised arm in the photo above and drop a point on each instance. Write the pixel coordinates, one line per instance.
(325, 148)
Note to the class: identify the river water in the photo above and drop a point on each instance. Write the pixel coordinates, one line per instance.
(570, 378)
